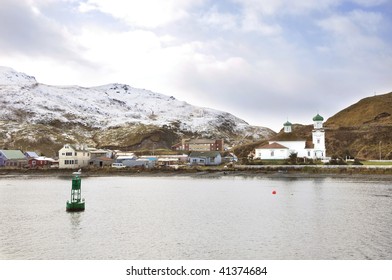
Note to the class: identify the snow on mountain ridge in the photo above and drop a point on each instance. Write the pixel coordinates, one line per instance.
(9, 76)
(106, 106)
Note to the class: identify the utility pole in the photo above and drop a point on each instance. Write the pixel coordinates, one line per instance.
(379, 148)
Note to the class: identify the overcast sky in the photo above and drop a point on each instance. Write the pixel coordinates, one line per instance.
(265, 61)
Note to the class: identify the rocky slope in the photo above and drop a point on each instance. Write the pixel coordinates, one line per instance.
(362, 130)
(41, 117)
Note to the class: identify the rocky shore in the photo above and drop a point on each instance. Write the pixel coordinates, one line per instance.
(290, 171)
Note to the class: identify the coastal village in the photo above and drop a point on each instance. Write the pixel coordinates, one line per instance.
(129, 127)
(74, 156)
(189, 152)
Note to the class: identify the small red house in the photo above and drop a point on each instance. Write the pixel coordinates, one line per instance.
(40, 162)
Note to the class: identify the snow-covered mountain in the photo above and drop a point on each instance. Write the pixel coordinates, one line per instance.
(96, 115)
(9, 76)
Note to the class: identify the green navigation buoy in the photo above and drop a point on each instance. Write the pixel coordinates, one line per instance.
(77, 203)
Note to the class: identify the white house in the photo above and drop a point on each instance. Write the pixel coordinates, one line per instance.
(74, 156)
(314, 149)
(205, 158)
(272, 151)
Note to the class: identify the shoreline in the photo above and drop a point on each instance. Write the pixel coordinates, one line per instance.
(267, 171)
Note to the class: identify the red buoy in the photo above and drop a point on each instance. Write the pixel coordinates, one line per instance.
(273, 192)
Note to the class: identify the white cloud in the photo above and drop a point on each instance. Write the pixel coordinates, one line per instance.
(354, 35)
(214, 18)
(146, 13)
(370, 3)
(253, 22)
(356, 21)
(273, 8)
(261, 60)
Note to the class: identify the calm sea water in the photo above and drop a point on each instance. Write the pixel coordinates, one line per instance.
(197, 218)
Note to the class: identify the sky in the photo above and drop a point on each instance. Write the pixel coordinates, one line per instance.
(265, 61)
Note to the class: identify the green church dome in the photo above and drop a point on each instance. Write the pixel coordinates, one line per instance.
(287, 124)
(318, 118)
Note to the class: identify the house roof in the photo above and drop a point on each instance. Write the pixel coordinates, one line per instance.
(31, 154)
(273, 145)
(77, 148)
(167, 159)
(127, 157)
(204, 154)
(13, 154)
(44, 158)
(98, 152)
(102, 159)
(201, 141)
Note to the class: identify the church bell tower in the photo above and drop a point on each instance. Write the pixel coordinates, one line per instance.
(318, 137)
(287, 127)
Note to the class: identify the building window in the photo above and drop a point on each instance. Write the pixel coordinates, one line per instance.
(272, 153)
(318, 141)
(68, 154)
(308, 153)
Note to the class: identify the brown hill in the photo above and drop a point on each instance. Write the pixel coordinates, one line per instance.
(362, 130)
(375, 110)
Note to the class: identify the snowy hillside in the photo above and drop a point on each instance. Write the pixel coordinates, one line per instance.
(9, 76)
(26, 101)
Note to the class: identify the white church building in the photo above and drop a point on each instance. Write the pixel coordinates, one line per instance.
(314, 149)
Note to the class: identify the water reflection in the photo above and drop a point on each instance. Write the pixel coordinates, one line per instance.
(75, 219)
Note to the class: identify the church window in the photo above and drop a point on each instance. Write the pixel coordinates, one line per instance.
(318, 141)
(272, 153)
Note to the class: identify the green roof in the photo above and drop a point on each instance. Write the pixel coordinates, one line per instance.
(287, 124)
(318, 118)
(13, 154)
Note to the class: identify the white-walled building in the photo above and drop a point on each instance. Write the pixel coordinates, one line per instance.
(74, 156)
(314, 149)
